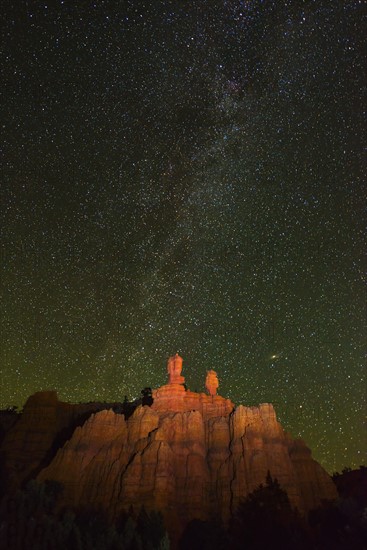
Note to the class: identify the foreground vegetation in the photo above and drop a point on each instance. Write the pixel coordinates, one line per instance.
(31, 519)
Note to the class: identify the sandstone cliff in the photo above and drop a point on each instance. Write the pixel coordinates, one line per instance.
(45, 424)
(190, 455)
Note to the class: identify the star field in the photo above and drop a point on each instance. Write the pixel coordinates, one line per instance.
(188, 178)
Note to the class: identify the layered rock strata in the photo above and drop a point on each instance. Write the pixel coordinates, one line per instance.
(45, 424)
(189, 455)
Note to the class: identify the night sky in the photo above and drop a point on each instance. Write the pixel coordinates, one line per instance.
(187, 176)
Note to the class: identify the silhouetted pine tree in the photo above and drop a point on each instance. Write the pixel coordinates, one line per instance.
(265, 519)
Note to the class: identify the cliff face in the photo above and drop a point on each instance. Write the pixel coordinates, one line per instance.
(44, 424)
(189, 455)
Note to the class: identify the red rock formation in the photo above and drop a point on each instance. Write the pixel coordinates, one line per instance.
(211, 382)
(174, 368)
(29, 443)
(174, 398)
(190, 455)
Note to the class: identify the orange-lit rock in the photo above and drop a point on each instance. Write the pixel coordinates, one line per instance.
(310, 476)
(174, 398)
(174, 369)
(211, 382)
(190, 455)
(45, 424)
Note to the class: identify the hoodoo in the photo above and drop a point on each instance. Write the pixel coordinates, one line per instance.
(190, 455)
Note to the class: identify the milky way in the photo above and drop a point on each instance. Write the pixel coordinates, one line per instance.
(187, 178)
